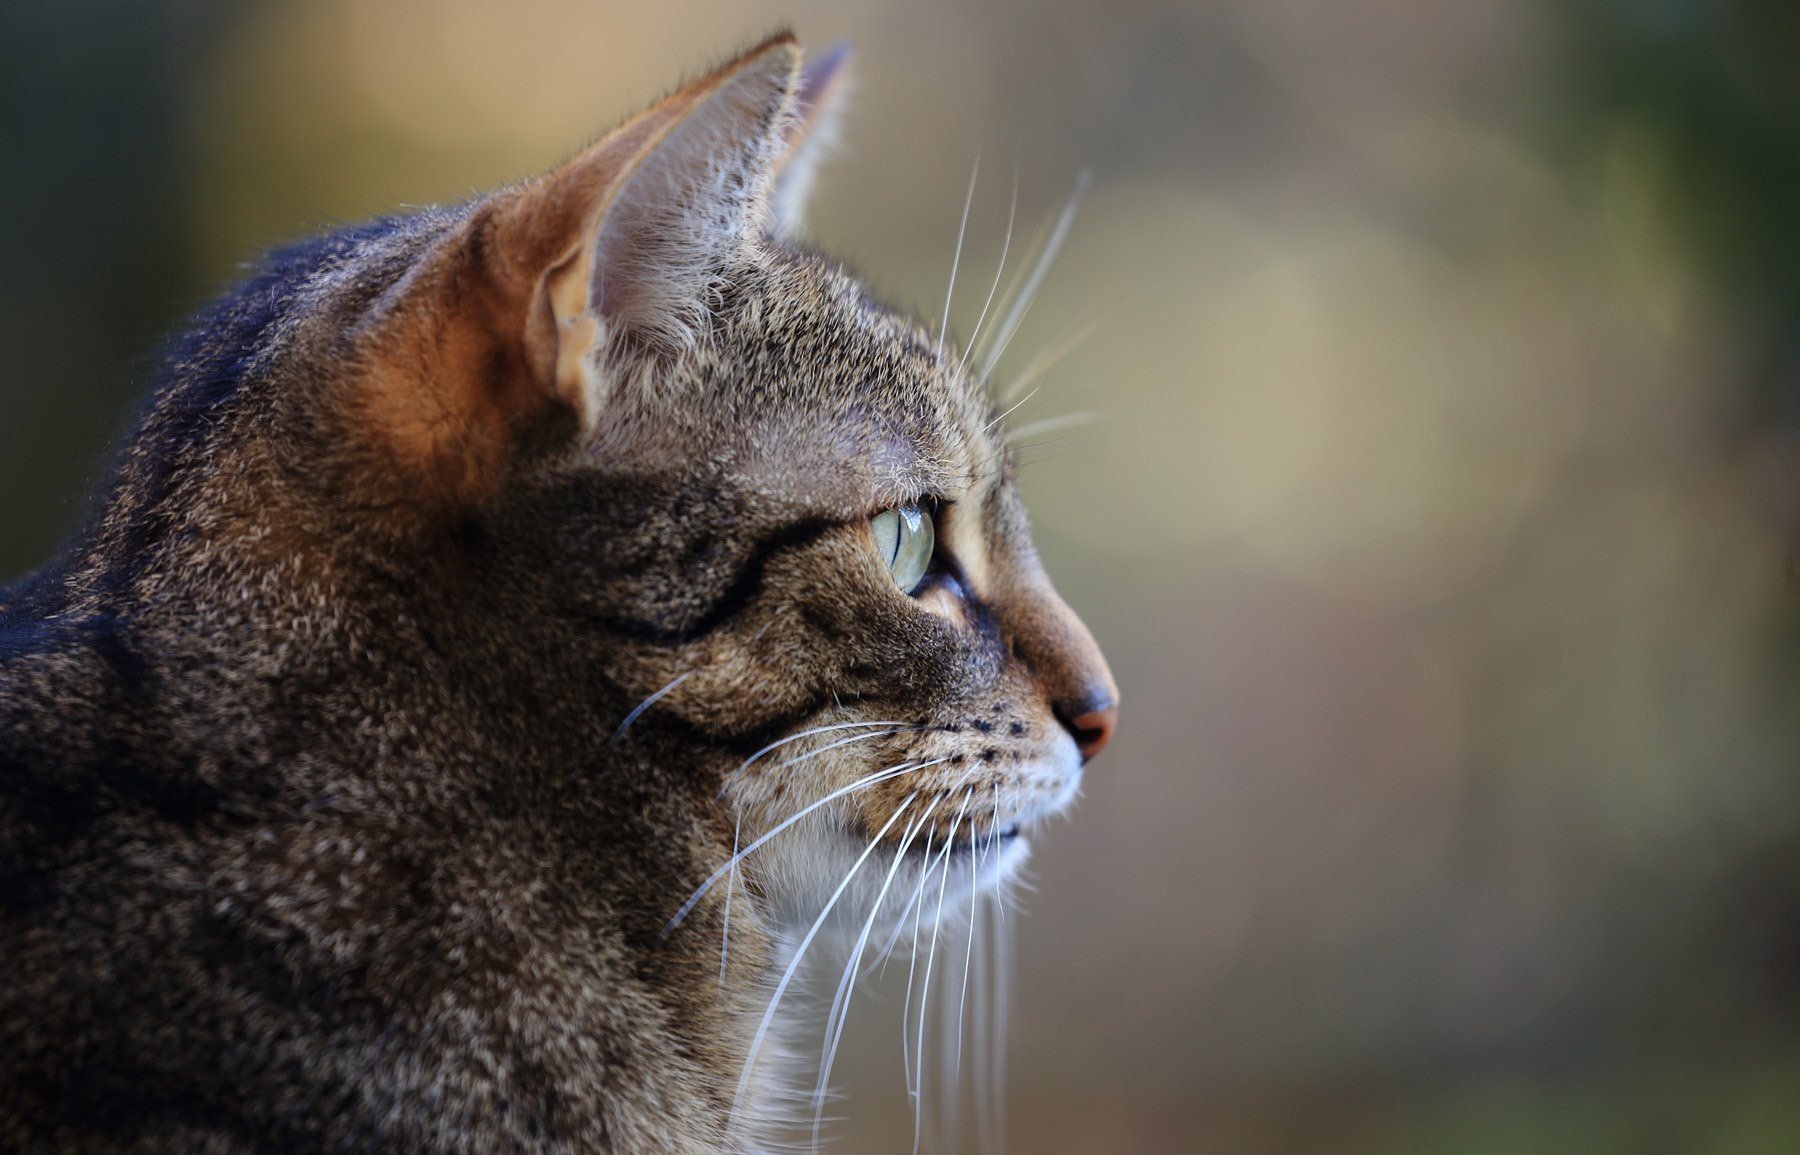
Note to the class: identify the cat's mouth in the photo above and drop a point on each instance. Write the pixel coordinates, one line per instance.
(964, 843)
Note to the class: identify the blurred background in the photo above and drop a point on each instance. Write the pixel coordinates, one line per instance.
(1437, 517)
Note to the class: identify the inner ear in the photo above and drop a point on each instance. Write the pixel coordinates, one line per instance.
(811, 135)
(688, 208)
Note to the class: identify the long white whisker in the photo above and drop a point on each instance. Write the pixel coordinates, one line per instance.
(1003, 971)
(1050, 425)
(949, 1113)
(652, 700)
(930, 958)
(860, 784)
(737, 834)
(1005, 341)
(1038, 271)
(776, 745)
(1011, 292)
(840, 1003)
(968, 957)
(957, 259)
(1047, 360)
(812, 932)
(1012, 211)
(953, 1066)
(811, 754)
(912, 961)
(984, 1039)
(887, 948)
(1007, 412)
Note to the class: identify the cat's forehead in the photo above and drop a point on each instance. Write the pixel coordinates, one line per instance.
(817, 390)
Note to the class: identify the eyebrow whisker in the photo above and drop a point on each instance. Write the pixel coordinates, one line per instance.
(1035, 280)
(1048, 360)
(1067, 421)
(961, 230)
(1012, 211)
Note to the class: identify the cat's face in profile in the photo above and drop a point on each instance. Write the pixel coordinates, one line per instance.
(789, 511)
(899, 614)
(767, 527)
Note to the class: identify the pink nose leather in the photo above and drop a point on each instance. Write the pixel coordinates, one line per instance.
(1093, 730)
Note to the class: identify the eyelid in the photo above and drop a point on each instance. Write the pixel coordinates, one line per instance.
(925, 502)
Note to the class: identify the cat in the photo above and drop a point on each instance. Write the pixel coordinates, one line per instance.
(511, 633)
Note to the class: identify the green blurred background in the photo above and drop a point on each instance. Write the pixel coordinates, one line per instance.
(1437, 517)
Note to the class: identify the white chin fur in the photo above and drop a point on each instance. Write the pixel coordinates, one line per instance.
(804, 870)
(805, 876)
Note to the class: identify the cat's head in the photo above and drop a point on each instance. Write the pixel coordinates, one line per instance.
(771, 525)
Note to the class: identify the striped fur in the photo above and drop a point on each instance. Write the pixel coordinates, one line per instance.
(319, 830)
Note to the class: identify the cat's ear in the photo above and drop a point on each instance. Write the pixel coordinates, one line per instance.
(669, 216)
(660, 208)
(525, 316)
(811, 135)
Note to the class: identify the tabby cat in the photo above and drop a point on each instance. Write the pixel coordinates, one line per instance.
(512, 633)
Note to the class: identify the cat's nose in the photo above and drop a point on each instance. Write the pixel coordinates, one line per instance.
(1090, 722)
(1065, 663)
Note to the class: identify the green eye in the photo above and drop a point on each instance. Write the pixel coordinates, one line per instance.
(905, 539)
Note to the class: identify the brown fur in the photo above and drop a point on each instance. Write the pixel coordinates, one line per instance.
(317, 829)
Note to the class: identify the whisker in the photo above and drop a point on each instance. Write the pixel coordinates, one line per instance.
(887, 949)
(1048, 360)
(652, 700)
(1021, 461)
(1003, 972)
(1011, 292)
(1005, 341)
(968, 957)
(1014, 449)
(1050, 425)
(840, 1003)
(808, 733)
(952, 1122)
(811, 754)
(1060, 233)
(918, 893)
(793, 966)
(912, 960)
(956, 260)
(737, 833)
(984, 1040)
(1007, 412)
(949, 1112)
(930, 958)
(860, 784)
(1012, 211)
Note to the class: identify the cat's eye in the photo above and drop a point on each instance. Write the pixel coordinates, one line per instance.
(905, 538)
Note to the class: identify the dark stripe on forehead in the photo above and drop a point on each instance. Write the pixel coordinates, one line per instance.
(738, 593)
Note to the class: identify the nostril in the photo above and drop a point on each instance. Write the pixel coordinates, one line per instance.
(1091, 728)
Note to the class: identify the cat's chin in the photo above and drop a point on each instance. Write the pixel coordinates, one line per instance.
(843, 886)
(839, 878)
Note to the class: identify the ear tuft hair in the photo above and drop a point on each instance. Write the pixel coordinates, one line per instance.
(693, 201)
(812, 135)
